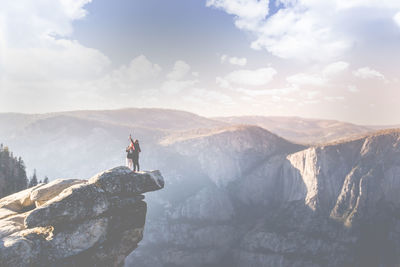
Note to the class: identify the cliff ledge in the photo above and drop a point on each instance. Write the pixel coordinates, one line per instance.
(71, 222)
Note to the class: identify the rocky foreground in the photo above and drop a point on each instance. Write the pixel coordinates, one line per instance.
(95, 222)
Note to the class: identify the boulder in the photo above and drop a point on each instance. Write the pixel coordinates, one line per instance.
(12, 224)
(76, 223)
(73, 204)
(78, 238)
(48, 191)
(17, 202)
(126, 181)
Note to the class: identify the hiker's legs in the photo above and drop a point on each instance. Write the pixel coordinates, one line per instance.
(129, 163)
(136, 163)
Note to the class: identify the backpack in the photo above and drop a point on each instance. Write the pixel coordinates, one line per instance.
(129, 151)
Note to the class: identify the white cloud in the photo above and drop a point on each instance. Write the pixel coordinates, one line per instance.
(334, 98)
(238, 61)
(29, 23)
(308, 30)
(268, 92)
(224, 58)
(335, 68)
(396, 18)
(35, 44)
(175, 87)
(244, 9)
(256, 77)
(348, 4)
(296, 31)
(311, 95)
(141, 83)
(73, 8)
(300, 33)
(221, 82)
(234, 60)
(57, 60)
(327, 76)
(352, 88)
(39, 61)
(43, 69)
(139, 70)
(368, 73)
(179, 71)
(306, 79)
(175, 82)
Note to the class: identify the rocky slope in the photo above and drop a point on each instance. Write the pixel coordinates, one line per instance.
(330, 205)
(95, 222)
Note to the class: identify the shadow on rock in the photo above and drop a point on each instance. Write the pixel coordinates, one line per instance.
(95, 222)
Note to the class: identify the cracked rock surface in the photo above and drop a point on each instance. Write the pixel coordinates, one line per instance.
(95, 222)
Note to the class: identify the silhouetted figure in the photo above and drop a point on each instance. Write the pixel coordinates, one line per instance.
(130, 154)
(136, 152)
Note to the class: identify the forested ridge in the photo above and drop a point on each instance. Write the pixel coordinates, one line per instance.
(13, 176)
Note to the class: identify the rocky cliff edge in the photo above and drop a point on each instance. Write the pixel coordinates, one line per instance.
(71, 222)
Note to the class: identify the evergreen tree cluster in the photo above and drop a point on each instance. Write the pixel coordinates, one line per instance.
(34, 181)
(13, 175)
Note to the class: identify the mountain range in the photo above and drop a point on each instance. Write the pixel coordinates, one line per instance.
(53, 142)
(306, 130)
(240, 191)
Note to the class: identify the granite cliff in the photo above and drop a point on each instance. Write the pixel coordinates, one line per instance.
(277, 204)
(71, 222)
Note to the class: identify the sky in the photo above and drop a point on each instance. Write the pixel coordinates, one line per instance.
(331, 59)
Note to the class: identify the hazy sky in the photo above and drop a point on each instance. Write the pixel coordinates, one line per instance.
(334, 59)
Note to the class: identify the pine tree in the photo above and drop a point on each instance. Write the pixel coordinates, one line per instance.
(46, 180)
(33, 181)
(22, 179)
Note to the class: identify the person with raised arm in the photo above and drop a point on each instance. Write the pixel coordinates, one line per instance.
(130, 153)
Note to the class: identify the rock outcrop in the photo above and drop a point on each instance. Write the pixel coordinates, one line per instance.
(95, 222)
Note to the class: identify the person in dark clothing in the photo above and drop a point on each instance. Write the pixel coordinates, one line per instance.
(136, 155)
(130, 151)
